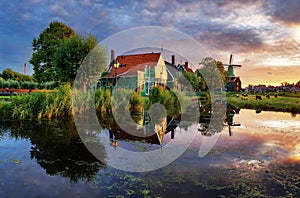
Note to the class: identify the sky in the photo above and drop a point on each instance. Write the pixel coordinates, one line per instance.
(264, 36)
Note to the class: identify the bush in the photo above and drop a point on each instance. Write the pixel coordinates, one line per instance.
(5, 84)
(50, 85)
(13, 84)
(167, 98)
(1, 82)
(29, 85)
(135, 102)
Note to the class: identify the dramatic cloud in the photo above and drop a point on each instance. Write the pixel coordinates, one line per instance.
(286, 11)
(259, 33)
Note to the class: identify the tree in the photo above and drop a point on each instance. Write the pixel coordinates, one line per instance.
(189, 78)
(212, 71)
(285, 84)
(8, 74)
(44, 47)
(75, 51)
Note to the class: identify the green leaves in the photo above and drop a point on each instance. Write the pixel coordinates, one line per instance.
(59, 52)
(44, 47)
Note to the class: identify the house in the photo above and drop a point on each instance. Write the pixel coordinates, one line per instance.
(139, 72)
(234, 84)
(174, 73)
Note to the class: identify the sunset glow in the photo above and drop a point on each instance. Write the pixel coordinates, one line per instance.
(260, 34)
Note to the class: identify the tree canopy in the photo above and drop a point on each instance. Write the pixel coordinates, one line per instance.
(70, 55)
(59, 51)
(44, 47)
(212, 71)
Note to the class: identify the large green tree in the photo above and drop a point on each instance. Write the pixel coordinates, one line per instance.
(212, 73)
(45, 46)
(73, 52)
(189, 80)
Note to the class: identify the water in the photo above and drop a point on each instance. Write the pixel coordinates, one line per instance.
(48, 159)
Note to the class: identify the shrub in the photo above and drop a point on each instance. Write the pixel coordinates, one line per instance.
(167, 98)
(135, 102)
(13, 84)
(5, 84)
(29, 85)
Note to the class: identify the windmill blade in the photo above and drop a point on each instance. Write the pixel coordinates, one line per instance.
(236, 65)
(227, 65)
(230, 59)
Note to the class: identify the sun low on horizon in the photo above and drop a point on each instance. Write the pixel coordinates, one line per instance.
(264, 36)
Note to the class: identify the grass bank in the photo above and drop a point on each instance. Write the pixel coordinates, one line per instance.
(58, 104)
(281, 103)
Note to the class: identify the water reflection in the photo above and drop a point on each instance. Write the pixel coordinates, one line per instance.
(262, 155)
(144, 130)
(56, 147)
(154, 132)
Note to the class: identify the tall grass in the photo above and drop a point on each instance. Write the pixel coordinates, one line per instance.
(103, 100)
(59, 103)
(5, 110)
(42, 105)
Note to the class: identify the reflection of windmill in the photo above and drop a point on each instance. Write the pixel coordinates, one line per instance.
(234, 83)
(231, 111)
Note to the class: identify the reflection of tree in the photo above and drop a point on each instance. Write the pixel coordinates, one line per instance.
(68, 160)
(57, 148)
(211, 122)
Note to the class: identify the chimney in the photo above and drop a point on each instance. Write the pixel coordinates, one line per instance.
(173, 59)
(112, 57)
(186, 65)
(25, 69)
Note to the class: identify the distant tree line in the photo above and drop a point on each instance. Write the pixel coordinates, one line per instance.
(13, 84)
(15, 80)
(8, 74)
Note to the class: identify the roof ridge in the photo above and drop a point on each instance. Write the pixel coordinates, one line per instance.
(140, 54)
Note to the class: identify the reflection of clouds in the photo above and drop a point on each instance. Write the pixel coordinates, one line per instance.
(282, 125)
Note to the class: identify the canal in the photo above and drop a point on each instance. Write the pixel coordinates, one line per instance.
(259, 157)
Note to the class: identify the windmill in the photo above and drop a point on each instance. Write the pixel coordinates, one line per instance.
(230, 66)
(234, 84)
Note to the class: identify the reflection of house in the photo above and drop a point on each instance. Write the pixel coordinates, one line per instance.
(153, 134)
(136, 71)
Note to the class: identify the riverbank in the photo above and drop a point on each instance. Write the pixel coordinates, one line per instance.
(281, 103)
(59, 104)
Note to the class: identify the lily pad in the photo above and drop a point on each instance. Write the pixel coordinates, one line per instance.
(16, 161)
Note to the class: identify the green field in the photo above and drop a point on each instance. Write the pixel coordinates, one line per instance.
(289, 103)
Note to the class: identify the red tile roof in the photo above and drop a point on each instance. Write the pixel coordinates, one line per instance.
(130, 64)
